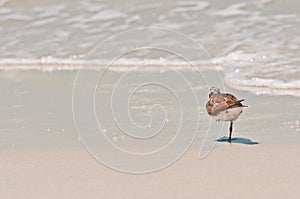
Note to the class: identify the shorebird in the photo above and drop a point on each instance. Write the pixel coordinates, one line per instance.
(224, 107)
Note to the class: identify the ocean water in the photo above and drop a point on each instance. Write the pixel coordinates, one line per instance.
(255, 44)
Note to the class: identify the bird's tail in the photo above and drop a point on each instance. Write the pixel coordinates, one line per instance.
(237, 104)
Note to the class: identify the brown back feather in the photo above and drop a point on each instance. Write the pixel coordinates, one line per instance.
(222, 102)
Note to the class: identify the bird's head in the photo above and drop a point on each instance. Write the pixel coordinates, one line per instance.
(213, 91)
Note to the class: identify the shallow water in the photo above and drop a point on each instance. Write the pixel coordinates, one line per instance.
(36, 111)
(256, 44)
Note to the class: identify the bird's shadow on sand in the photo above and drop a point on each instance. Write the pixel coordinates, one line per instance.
(238, 140)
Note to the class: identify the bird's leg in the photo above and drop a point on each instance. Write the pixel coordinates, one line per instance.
(230, 131)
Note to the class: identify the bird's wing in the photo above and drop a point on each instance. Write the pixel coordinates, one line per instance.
(217, 104)
(222, 102)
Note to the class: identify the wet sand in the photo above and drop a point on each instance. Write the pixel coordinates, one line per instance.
(42, 156)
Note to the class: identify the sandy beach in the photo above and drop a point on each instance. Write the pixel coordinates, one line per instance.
(231, 171)
(41, 155)
(139, 129)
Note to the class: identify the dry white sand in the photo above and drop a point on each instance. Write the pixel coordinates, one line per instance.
(230, 171)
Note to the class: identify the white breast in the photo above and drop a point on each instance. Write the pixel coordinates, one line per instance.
(229, 115)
